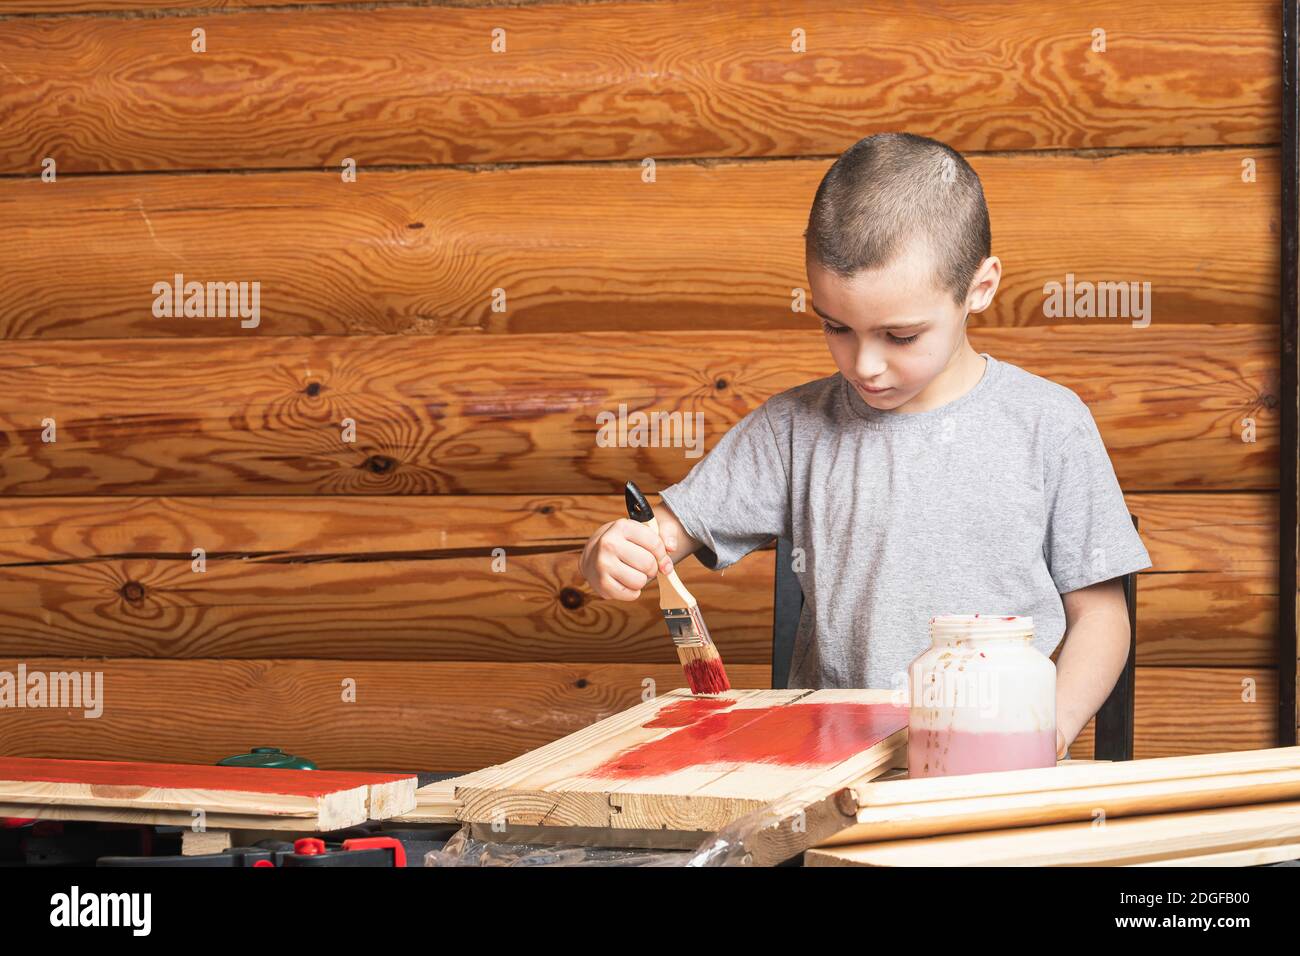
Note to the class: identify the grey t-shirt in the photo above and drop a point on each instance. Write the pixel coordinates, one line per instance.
(995, 503)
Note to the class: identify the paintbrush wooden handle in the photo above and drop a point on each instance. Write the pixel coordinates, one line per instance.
(672, 593)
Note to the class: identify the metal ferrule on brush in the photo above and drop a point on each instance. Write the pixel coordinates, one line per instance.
(686, 625)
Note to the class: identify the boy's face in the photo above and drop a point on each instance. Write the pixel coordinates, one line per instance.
(890, 330)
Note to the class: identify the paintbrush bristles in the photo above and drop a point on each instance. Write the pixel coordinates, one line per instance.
(704, 671)
(695, 649)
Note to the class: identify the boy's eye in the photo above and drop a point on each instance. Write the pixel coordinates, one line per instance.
(839, 329)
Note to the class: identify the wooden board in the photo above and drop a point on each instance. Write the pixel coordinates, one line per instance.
(793, 823)
(415, 252)
(120, 791)
(202, 842)
(413, 578)
(239, 416)
(436, 802)
(1121, 842)
(620, 81)
(1256, 856)
(683, 764)
(902, 809)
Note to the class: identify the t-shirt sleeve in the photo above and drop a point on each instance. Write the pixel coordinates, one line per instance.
(737, 498)
(1090, 535)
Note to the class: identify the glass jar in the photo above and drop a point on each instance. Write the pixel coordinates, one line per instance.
(982, 698)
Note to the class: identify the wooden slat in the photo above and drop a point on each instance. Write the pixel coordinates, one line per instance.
(406, 716)
(625, 81)
(1184, 532)
(540, 608)
(1191, 710)
(1069, 792)
(577, 248)
(8, 7)
(704, 774)
(1193, 532)
(1122, 842)
(1210, 597)
(127, 792)
(1256, 856)
(411, 577)
(454, 717)
(437, 416)
(436, 803)
(1223, 619)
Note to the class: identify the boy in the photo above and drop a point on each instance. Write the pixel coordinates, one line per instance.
(923, 478)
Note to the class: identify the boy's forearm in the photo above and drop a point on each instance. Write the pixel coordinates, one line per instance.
(1095, 653)
(667, 521)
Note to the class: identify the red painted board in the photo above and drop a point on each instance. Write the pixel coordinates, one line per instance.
(183, 776)
(791, 735)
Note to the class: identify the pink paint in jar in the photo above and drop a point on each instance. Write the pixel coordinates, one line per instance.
(982, 698)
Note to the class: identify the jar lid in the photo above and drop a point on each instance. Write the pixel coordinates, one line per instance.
(267, 757)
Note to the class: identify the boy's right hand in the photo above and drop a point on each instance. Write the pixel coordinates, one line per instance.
(622, 556)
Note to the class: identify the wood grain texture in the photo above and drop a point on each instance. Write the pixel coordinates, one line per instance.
(1256, 856)
(139, 804)
(406, 716)
(454, 717)
(1195, 532)
(107, 778)
(1191, 710)
(626, 81)
(703, 763)
(540, 608)
(594, 248)
(123, 791)
(1121, 842)
(436, 416)
(119, 7)
(401, 578)
(1220, 619)
(1071, 791)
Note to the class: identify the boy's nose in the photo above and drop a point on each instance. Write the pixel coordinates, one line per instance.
(870, 363)
(869, 366)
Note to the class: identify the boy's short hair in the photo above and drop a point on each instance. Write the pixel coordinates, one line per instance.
(889, 188)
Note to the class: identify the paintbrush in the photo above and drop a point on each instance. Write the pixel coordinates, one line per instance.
(695, 649)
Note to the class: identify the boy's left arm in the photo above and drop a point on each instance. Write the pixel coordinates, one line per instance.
(1092, 658)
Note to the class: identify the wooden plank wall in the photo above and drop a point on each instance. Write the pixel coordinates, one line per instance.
(470, 303)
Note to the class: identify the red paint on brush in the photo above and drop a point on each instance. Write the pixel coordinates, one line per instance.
(680, 713)
(123, 775)
(707, 677)
(796, 735)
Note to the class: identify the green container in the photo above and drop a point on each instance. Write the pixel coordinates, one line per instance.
(267, 757)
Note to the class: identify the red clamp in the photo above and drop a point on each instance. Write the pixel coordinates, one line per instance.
(371, 843)
(309, 846)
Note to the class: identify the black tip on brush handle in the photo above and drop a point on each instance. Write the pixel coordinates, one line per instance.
(638, 509)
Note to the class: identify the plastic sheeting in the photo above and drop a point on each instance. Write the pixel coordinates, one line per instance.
(727, 847)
